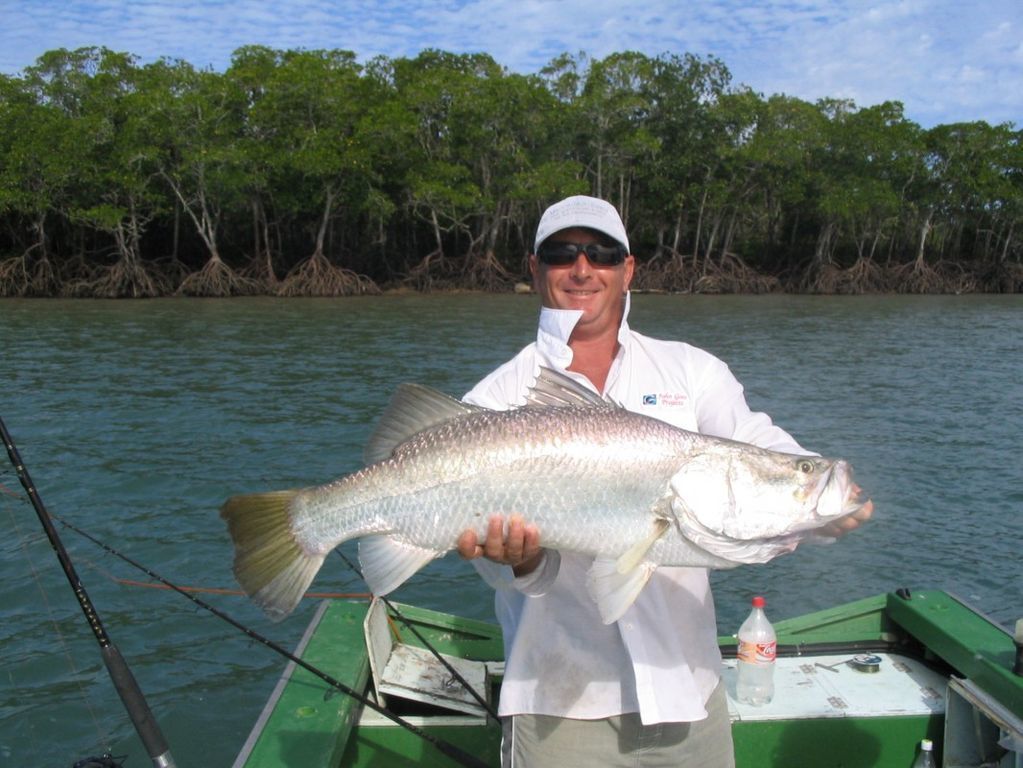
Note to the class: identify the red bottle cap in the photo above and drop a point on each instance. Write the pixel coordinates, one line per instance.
(759, 602)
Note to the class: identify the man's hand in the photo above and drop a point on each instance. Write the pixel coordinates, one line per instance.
(848, 523)
(520, 549)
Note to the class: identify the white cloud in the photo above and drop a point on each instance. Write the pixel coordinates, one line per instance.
(946, 60)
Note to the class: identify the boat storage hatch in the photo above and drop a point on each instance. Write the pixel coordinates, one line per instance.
(413, 673)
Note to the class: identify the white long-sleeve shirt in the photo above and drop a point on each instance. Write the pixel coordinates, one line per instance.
(661, 658)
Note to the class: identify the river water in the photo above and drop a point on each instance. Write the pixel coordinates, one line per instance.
(137, 419)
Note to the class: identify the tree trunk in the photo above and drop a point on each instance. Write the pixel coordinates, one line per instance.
(1004, 256)
(925, 230)
(328, 206)
(206, 220)
(699, 227)
(177, 231)
(825, 246)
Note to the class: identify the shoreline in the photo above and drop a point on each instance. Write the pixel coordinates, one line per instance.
(216, 279)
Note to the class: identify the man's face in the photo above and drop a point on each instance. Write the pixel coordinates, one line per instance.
(598, 291)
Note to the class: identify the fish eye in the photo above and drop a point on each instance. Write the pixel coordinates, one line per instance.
(805, 466)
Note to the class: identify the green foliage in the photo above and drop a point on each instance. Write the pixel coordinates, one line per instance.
(372, 166)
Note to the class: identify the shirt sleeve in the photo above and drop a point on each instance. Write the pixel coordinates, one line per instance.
(535, 583)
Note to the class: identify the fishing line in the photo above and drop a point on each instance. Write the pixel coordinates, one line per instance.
(8, 492)
(23, 538)
(452, 751)
(123, 680)
(120, 674)
(436, 654)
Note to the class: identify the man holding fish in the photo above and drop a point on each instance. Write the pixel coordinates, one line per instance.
(645, 689)
(635, 466)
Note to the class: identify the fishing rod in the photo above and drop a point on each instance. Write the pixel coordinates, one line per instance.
(426, 643)
(120, 674)
(454, 752)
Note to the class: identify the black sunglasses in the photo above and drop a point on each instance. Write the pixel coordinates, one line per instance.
(557, 254)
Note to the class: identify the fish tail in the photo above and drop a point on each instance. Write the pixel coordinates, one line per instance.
(269, 563)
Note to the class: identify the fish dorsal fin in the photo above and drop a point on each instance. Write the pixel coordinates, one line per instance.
(553, 388)
(412, 409)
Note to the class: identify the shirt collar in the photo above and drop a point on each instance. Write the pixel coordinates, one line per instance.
(556, 326)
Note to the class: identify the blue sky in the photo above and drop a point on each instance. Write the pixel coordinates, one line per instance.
(946, 60)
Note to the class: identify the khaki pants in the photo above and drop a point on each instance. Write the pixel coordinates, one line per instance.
(539, 741)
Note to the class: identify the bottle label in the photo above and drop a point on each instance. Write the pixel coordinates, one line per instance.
(758, 653)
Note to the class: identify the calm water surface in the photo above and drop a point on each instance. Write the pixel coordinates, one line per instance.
(137, 419)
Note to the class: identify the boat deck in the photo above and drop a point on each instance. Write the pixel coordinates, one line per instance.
(943, 672)
(830, 686)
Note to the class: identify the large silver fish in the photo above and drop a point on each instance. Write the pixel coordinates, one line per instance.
(633, 491)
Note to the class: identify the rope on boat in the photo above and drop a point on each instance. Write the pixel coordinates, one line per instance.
(212, 590)
(238, 592)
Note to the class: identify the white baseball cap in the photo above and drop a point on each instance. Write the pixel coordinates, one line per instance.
(581, 211)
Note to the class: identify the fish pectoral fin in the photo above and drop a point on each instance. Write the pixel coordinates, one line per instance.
(614, 591)
(636, 554)
(614, 583)
(387, 563)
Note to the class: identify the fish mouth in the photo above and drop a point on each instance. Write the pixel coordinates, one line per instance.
(850, 508)
(761, 548)
(836, 496)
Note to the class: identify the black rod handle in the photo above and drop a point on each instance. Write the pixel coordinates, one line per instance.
(124, 681)
(135, 704)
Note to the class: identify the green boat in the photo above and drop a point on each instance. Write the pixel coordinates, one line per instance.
(856, 685)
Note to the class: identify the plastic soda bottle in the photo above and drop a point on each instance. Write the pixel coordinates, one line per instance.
(925, 758)
(757, 649)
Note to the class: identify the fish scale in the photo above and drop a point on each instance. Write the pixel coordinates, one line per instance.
(452, 478)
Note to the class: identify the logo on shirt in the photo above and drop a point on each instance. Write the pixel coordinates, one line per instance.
(665, 399)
